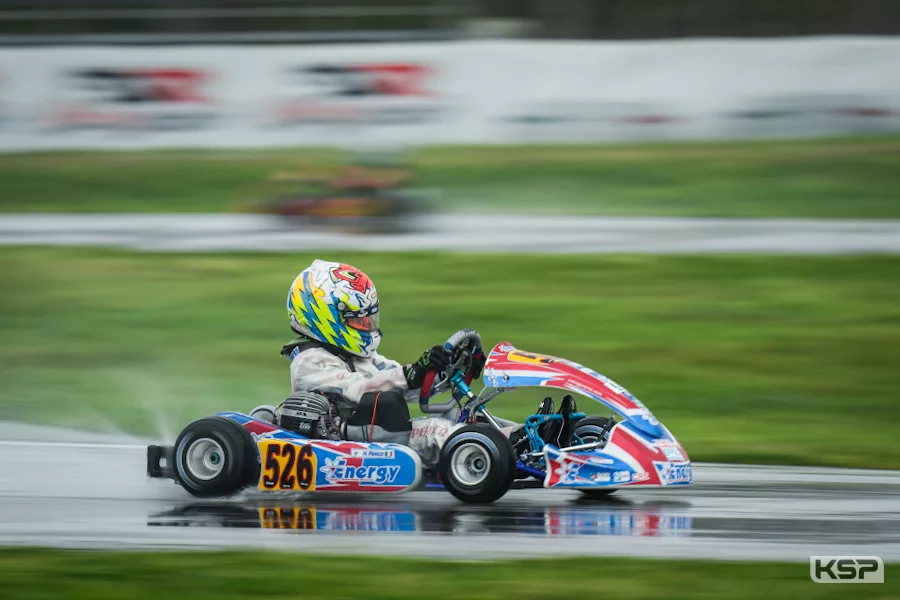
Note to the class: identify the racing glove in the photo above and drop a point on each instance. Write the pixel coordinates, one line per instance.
(434, 359)
(478, 361)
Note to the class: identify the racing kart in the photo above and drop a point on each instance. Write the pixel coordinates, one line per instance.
(478, 462)
(360, 198)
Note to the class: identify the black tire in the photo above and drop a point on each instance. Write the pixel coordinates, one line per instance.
(590, 429)
(488, 462)
(233, 462)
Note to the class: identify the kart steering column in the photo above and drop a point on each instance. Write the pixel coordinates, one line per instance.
(458, 380)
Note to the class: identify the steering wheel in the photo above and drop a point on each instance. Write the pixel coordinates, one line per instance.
(462, 346)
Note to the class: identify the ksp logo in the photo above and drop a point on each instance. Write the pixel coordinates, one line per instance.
(377, 79)
(144, 85)
(846, 569)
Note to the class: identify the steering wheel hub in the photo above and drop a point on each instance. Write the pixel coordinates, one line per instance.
(462, 346)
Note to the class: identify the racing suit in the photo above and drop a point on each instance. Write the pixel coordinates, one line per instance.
(319, 368)
(315, 369)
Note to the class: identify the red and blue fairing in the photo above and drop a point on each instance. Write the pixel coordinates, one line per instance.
(332, 466)
(508, 367)
(639, 451)
(628, 458)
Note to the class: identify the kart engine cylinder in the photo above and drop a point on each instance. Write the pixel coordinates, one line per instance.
(304, 413)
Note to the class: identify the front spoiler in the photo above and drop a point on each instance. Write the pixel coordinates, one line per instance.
(159, 462)
(614, 467)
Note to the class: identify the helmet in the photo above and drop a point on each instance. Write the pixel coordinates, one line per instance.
(336, 303)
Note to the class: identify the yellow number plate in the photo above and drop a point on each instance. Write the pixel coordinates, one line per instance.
(530, 358)
(287, 466)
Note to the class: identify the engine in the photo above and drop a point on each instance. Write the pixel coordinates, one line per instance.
(308, 414)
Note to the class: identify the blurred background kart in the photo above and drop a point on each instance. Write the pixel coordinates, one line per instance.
(367, 194)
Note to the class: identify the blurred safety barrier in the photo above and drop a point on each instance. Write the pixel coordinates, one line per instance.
(507, 91)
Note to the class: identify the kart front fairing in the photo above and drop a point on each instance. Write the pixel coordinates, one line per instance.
(639, 451)
(629, 458)
(508, 367)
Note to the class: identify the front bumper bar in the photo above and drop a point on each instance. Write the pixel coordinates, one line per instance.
(159, 462)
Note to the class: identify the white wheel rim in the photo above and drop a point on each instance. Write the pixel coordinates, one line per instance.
(471, 464)
(204, 459)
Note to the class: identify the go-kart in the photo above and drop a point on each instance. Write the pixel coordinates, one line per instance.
(478, 462)
(359, 198)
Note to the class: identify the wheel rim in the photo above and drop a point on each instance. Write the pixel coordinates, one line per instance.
(204, 459)
(471, 464)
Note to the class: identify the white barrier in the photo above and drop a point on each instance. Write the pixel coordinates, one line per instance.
(452, 92)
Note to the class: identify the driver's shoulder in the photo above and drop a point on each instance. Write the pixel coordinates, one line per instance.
(380, 362)
(316, 358)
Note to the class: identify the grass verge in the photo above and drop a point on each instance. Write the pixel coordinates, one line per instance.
(746, 359)
(830, 178)
(37, 574)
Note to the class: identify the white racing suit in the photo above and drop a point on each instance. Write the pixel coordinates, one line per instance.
(316, 369)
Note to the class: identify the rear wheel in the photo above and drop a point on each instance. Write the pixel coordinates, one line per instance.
(214, 457)
(477, 464)
(590, 430)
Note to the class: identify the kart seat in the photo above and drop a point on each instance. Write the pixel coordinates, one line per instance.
(558, 432)
(379, 417)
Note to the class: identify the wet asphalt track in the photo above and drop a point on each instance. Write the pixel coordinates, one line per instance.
(71, 489)
(471, 232)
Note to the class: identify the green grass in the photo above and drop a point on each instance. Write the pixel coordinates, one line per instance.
(787, 360)
(39, 574)
(831, 178)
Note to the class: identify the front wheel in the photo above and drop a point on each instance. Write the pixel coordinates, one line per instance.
(214, 457)
(477, 464)
(590, 430)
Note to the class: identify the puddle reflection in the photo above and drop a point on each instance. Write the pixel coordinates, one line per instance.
(576, 519)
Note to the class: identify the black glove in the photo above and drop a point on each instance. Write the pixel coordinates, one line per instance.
(434, 359)
(478, 361)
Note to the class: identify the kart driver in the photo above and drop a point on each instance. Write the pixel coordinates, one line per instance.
(333, 309)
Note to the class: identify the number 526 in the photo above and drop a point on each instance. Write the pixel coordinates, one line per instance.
(287, 466)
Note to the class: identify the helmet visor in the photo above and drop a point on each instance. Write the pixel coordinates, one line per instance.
(369, 323)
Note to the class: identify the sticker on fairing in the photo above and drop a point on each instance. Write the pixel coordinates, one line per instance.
(674, 473)
(670, 450)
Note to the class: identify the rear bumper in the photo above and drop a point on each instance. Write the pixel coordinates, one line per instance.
(159, 462)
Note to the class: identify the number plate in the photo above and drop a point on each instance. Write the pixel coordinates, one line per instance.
(530, 358)
(287, 466)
